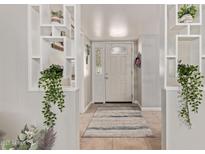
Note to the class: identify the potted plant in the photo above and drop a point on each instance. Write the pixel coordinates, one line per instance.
(187, 13)
(51, 82)
(32, 138)
(56, 16)
(190, 93)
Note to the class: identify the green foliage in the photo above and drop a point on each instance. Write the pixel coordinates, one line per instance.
(50, 81)
(31, 138)
(57, 14)
(191, 92)
(187, 9)
(7, 145)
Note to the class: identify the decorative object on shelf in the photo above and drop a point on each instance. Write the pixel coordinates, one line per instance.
(56, 16)
(32, 138)
(73, 73)
(191, 93)
(63, 33)
(138, 60)
(57, 46)
(50, 81)
(187, 13)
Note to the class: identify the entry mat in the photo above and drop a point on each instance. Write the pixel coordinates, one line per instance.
(118, 121)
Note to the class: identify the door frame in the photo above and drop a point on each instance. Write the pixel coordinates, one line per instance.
(105, 44)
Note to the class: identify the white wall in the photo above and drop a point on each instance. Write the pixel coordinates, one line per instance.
(137, 76)
(98, 79)
(149, 89)
(19, 106)
(178, 136)
(86, 69)
(87, 74)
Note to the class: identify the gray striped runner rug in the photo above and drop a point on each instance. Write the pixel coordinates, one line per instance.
(118, 120)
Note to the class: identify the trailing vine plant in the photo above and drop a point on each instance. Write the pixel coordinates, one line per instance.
(50, 81)
(191, 93)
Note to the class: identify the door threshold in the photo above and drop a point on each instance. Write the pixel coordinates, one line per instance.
(129, 102)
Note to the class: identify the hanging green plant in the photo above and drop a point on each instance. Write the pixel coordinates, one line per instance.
(191, 93)
(50, 81)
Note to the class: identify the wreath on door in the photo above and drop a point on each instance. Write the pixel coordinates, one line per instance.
(138, 60)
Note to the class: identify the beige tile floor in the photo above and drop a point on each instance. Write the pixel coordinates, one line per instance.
(153, 119)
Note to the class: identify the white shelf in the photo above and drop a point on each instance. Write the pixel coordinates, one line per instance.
(203, 56)
(177, 27)
(72, 58)
(54, 25)
(187, 37)
(188, 24)
(35, 57)
(43, 32)
(46, 25)
(35, 88)
(170, 57)
(172, 88)
(53, 38)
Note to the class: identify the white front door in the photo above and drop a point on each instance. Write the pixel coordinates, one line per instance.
(118, 72)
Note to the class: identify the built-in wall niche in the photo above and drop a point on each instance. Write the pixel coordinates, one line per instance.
(69, 13)
(52, 14)
(171, 38)
(171, 46)
(184, 41)
(188, 49)
(203, 30)
(69, 74)
(172, 22)
(195, 30)
(51, 41)
(60, 31)
(171, 72)
(52, 51)
(35, 63)
(35, 30)
(69, 52)
(203, 69)
(46, 31)
(57, 56)
(196, 20)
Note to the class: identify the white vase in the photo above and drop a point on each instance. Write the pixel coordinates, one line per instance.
(55, 20)
(187, 18)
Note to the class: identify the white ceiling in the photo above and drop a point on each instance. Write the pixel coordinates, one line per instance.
(119, 21)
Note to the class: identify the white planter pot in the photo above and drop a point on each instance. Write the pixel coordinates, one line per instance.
(55, 20)
(187, 18)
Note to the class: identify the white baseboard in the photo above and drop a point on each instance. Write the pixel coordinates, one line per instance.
(136, 102)
(87, 106)
(151, 108)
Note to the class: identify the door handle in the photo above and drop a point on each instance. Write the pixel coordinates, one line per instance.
(106, 77)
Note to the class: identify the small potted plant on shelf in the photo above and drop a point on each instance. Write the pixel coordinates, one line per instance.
(56, 16)
(187, 13)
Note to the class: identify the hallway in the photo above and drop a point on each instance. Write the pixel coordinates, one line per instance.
(99, 143)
